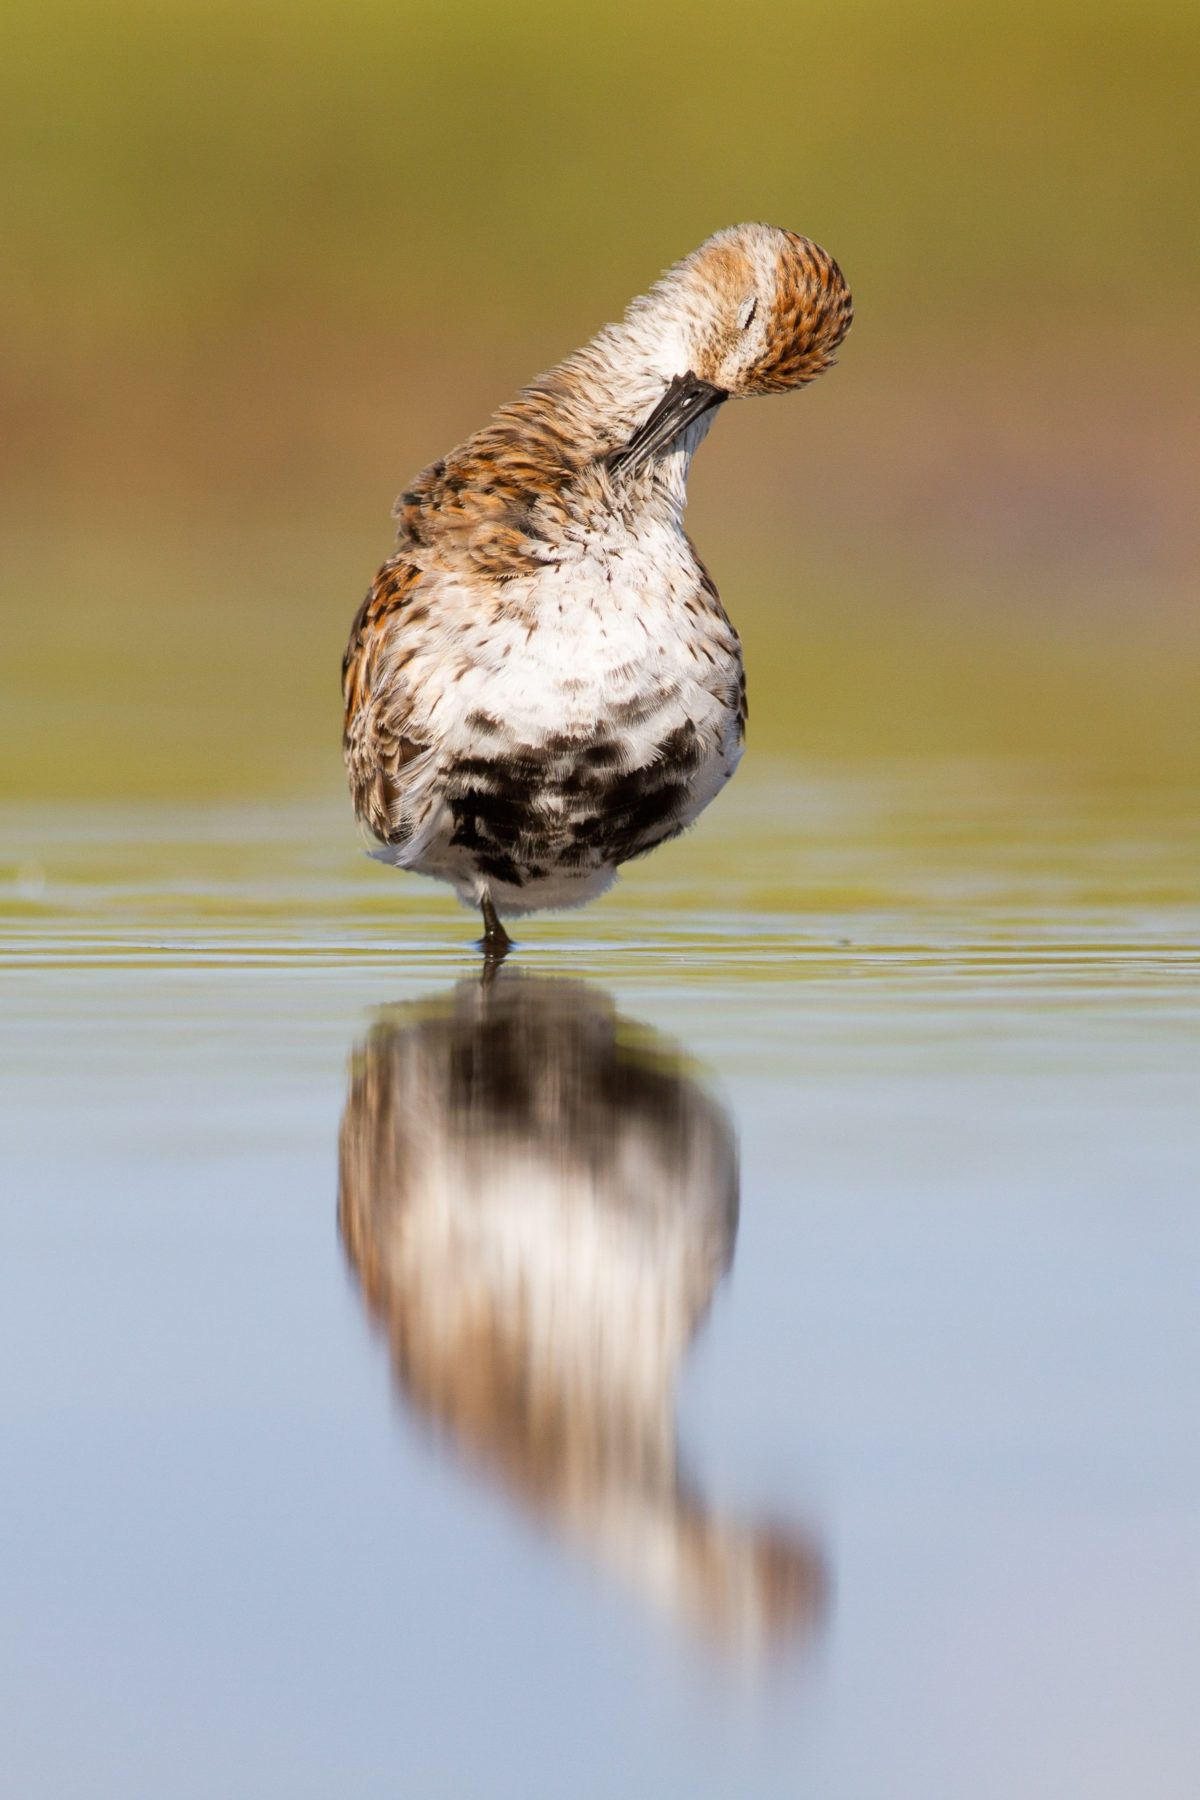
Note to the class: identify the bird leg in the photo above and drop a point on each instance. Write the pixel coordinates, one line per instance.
(496, 941)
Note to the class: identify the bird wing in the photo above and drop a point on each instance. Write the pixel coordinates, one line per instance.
(382, 751)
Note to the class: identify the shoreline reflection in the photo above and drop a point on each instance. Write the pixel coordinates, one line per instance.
(539, 1201)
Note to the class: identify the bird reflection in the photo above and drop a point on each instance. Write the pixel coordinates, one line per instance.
(539, 1201)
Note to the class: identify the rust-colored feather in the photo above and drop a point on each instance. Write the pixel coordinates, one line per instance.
(491, 504)
(376, 745)
(813, 313)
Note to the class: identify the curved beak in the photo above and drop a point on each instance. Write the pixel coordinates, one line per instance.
(686, 400)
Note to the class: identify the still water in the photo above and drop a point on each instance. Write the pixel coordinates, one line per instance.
(749, 1347)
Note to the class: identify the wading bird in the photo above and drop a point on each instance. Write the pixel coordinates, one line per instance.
(541, 682)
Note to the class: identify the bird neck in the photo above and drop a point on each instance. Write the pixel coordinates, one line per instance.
(603, 393)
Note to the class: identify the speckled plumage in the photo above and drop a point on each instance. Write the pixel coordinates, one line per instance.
(542, 682)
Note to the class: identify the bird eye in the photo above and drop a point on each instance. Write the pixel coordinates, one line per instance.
(746, 313)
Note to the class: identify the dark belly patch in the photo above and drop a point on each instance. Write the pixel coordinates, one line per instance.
(568, 805)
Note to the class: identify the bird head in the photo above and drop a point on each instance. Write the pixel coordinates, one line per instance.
(755, 310)
(773, 311)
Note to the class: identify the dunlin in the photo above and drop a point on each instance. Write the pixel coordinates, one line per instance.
(542, 682)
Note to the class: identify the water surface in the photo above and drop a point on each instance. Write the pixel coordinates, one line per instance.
(748, 1347)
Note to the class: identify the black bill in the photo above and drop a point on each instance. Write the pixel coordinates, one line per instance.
(686, 400)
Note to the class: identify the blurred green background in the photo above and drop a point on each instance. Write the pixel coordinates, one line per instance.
(265, 262)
